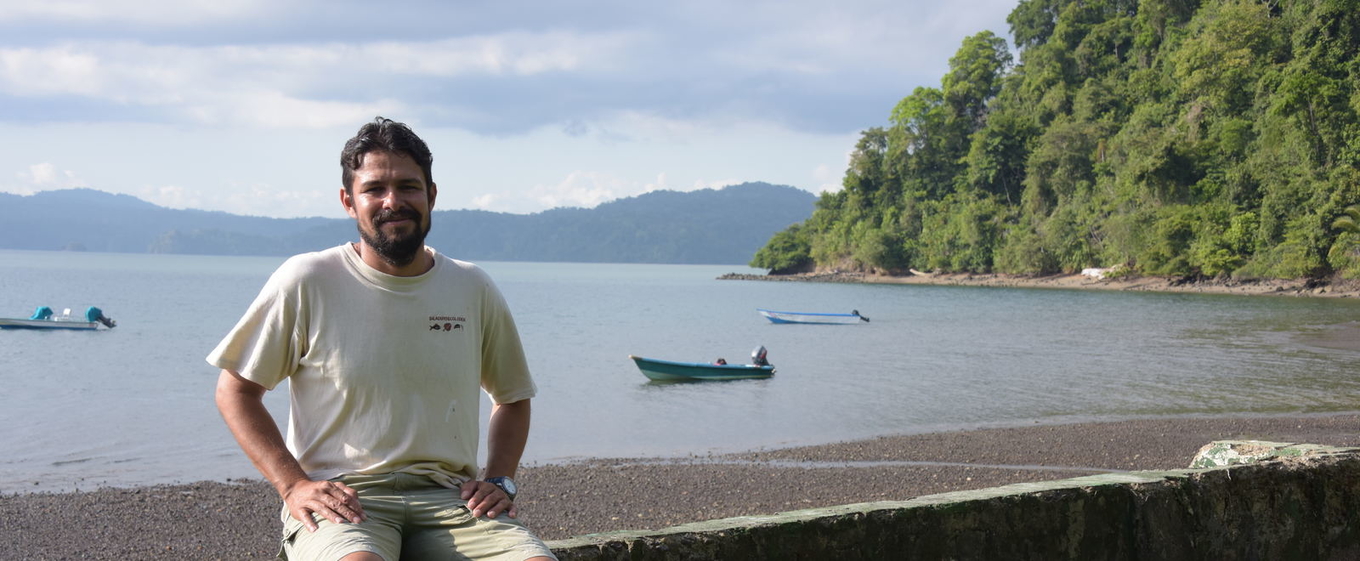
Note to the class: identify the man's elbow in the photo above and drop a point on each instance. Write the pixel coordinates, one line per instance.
(232, 390)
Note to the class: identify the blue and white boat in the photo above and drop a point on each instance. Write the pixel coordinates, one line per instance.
(44, 318)
(812, 317)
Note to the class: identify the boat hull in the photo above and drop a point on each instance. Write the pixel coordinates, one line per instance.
(15, 323)
(669, 371)
(809, 317)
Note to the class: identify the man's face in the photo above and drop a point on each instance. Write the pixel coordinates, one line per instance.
(390, 203)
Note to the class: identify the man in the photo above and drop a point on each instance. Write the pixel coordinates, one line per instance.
(385, 344)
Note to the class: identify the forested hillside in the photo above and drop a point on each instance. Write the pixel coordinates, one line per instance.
(1168, 137)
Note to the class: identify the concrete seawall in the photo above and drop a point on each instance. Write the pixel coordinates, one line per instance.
(1242, 500)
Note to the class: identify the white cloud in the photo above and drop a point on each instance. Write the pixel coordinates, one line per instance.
(171, 196)
(638, 126)
(580, 189)
(662, 183)
(252, 200)
(268, 200)
(484, 202)
(42, 177)
(52, 71)
(283, 85)
(516, 52)
(828, 179)
(658, 185)
(712, 184)
(271, 109)
(178, 12)
(39, 174)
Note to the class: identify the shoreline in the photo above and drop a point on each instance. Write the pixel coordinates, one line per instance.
(1333, 288)
(239, 519)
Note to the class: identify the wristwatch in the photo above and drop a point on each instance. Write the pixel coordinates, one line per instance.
(506, 484)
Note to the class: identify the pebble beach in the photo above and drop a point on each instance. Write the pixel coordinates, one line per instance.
(239, 519)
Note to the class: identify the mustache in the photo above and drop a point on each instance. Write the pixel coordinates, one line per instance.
(390, 215)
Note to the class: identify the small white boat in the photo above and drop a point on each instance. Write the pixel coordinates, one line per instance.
(44, 318)
(812, 317)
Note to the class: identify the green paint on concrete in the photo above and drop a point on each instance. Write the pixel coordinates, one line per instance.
(1237, 452)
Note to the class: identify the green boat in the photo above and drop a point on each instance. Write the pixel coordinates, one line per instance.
(671, 371)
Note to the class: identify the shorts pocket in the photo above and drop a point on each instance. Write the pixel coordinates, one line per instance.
(291, 527)
(457, 516)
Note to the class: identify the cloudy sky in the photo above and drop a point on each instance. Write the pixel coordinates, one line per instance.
(243, 105)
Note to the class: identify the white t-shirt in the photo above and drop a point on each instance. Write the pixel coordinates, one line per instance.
(384, 371)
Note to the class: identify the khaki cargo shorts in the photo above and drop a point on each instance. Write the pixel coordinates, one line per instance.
(410, 517)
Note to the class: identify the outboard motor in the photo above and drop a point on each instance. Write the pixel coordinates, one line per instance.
(43, 312)
(758, 357)
(95, 314)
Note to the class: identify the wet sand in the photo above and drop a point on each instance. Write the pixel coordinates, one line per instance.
(238, 519)
(1332, 288)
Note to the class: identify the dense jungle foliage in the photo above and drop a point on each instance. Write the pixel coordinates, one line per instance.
(1168, 137)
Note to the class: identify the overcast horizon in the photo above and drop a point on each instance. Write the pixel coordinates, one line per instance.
(243, 105)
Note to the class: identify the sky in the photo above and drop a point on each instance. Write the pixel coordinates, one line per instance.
(243, 106)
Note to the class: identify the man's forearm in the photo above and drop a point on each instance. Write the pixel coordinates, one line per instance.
(242, 407)
(507, 432)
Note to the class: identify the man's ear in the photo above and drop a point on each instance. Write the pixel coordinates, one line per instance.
(432, 192)
(347, 200)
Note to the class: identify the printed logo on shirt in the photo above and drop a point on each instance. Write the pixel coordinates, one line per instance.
(446, 323)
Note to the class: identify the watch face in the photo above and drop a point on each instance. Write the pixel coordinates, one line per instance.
(506, 484)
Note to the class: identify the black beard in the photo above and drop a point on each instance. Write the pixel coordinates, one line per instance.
(396, 251)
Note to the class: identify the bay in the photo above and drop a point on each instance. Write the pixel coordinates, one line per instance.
(134, 405)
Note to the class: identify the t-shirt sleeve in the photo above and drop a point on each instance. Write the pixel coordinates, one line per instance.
(505, 371)
(265, 346)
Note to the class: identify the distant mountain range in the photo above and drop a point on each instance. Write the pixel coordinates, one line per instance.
(724, 226)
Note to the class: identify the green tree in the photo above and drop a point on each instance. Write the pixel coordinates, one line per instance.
(1032, 21)
(1349, 221)
(789, 251)
(974, 77)
(923, 142)
(1345, 253)
(997, 154)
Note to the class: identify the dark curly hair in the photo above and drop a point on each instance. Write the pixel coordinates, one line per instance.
(384, 134)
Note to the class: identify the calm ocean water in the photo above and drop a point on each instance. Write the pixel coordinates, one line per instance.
(134, 405)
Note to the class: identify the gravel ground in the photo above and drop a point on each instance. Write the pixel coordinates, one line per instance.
(238, 519)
